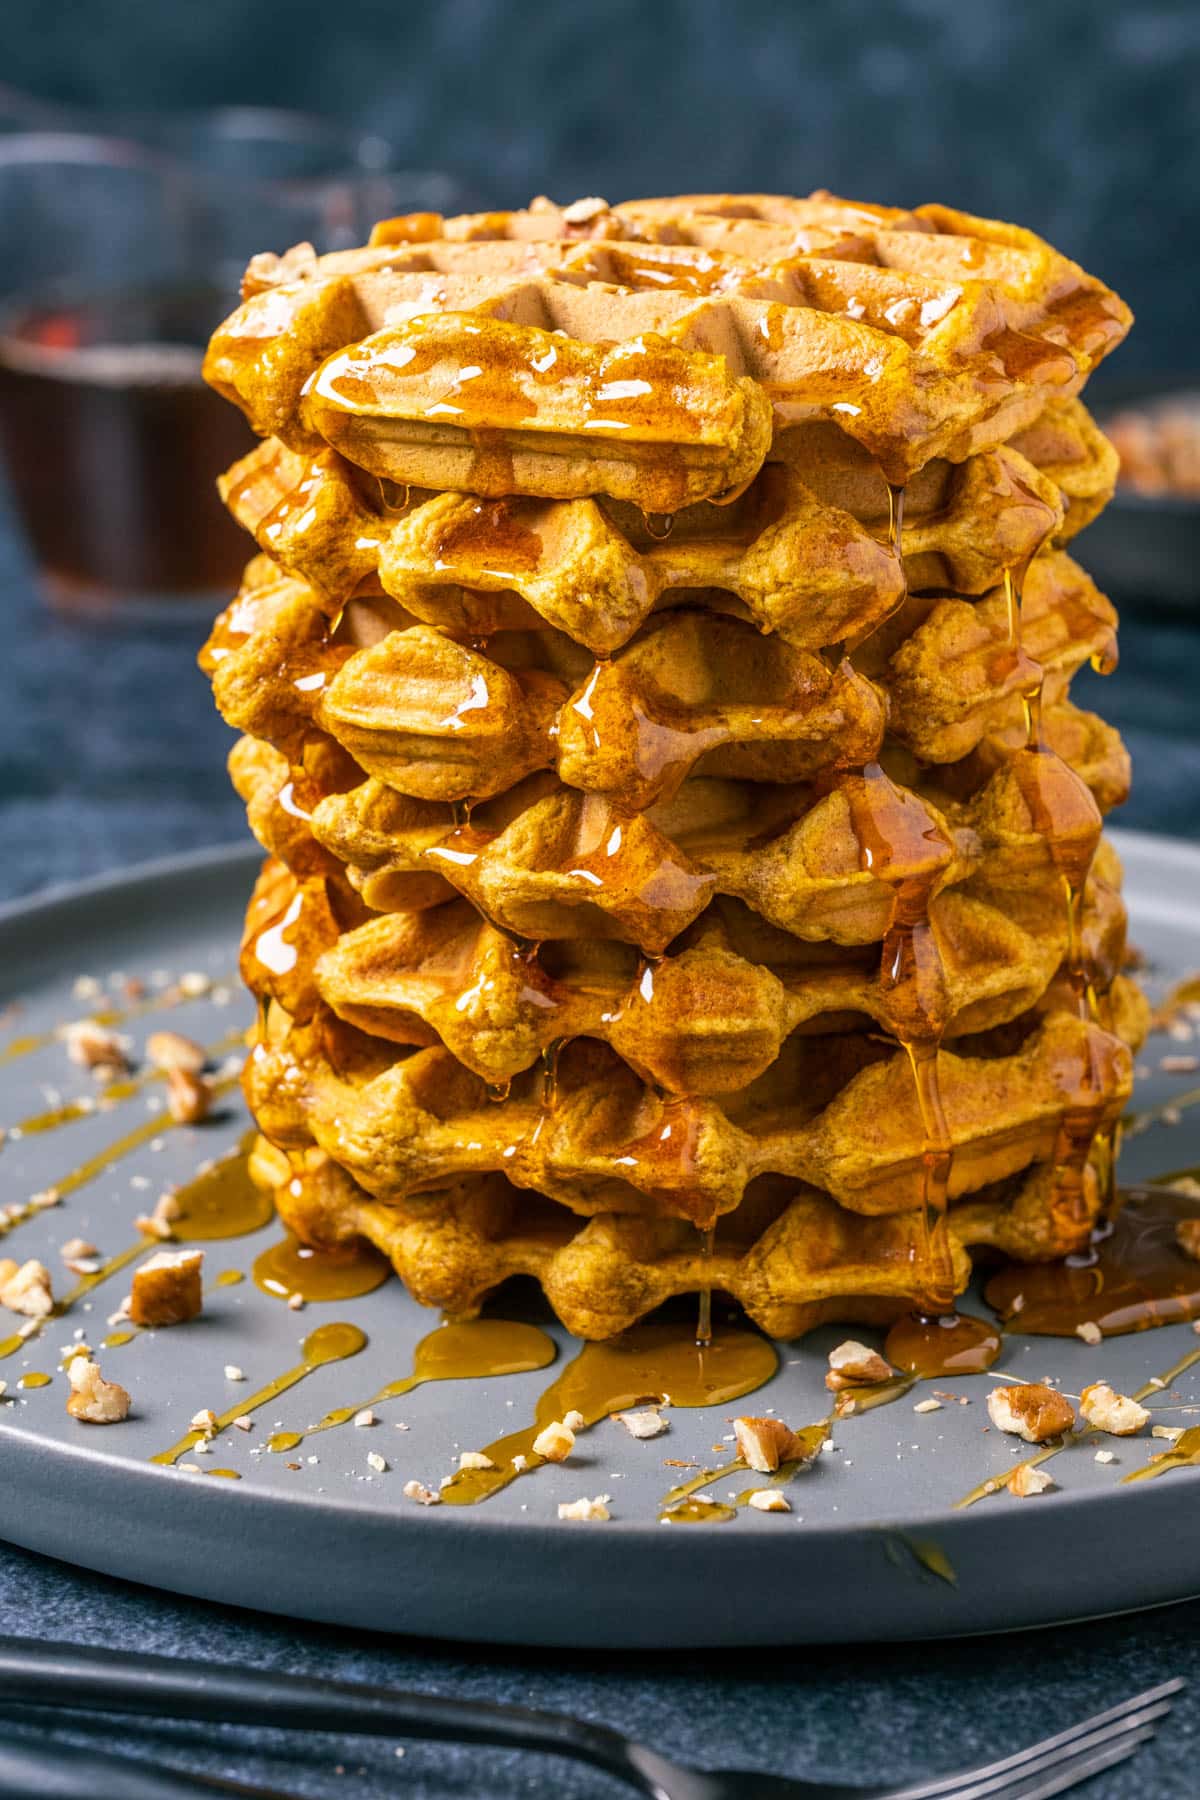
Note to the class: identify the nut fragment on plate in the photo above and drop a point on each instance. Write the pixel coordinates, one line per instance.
(416, 1490)
(204, 1420)
(763, 1444)
(1026, 1481)
(585, 1509)
(92, 1399)
(169, 1050)
(475, 1459)
(852, 1364)
(768, 1500)
(555, 1442)
(189, 1097)
(26, 1288)
(166, 1290)
(1109, 1411)
(1187, 1235)
(91, 1046)
(1090, 1332)
(647, 1424)
(1031, 1410)
(158, 1223)
(81, 1256)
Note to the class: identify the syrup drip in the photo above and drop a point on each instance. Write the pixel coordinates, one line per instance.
(895, 832)
(649, 1362)
(698, 1511)
(327, 1344)
(895, 492)
(1183, 1454)
(926, 1554)
(464, 1350)
(290, 1267)
(1133, 1275)
(704, 1307)
(854, 1400)
(1065, 814)
(221, 1202)
(35, 1379)
(393, 495)
(1031, 690)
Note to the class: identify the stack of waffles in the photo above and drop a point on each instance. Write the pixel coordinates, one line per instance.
(684, 859)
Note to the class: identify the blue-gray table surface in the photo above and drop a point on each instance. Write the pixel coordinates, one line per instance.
(110, 753)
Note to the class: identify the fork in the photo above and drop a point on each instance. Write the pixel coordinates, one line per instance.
(79, 1677)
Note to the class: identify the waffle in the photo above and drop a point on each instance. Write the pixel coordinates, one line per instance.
(790, 1256)
(654, 686)
(546, 862)
(661, 359)
(438, 718)
(837, 1112)
(708, 1018)
(808, 550)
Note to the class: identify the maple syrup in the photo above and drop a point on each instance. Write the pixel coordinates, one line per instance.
(459, 1350)
(649, 1362)
(344, 1273)
(900, 842)
(1132, 1275)
(327, 1344)
(950, 1344)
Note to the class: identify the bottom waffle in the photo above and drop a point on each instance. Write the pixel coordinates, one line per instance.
(789, 1254)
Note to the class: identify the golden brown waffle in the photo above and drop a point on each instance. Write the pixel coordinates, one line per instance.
(837, 1112)
(789, 1255)
(696, 691)
(659, 360)
(543, 861)
(655, 687)
(807, 551)
(709, 1018)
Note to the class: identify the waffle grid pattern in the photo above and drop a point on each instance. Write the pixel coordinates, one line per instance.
(654, 686)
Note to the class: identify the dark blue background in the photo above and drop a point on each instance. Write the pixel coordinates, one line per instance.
(1078, 118)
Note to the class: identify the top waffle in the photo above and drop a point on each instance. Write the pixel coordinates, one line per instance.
(659, 352)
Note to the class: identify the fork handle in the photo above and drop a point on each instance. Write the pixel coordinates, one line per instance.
(65, 1772)
(76, 1676)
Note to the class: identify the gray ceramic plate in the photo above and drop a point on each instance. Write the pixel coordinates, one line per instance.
(872, 1549)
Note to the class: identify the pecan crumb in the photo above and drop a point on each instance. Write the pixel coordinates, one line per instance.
(585, 1509)
(92, 1399)
(555, 1442)
(166, 1289)
(1030, 1410)
(1111, 1412)
(416, 1490)
(852, 1364)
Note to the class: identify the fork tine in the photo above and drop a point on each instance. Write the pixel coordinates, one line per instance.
(1070, 1775)
(951, 1786)
(1062, 1758)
